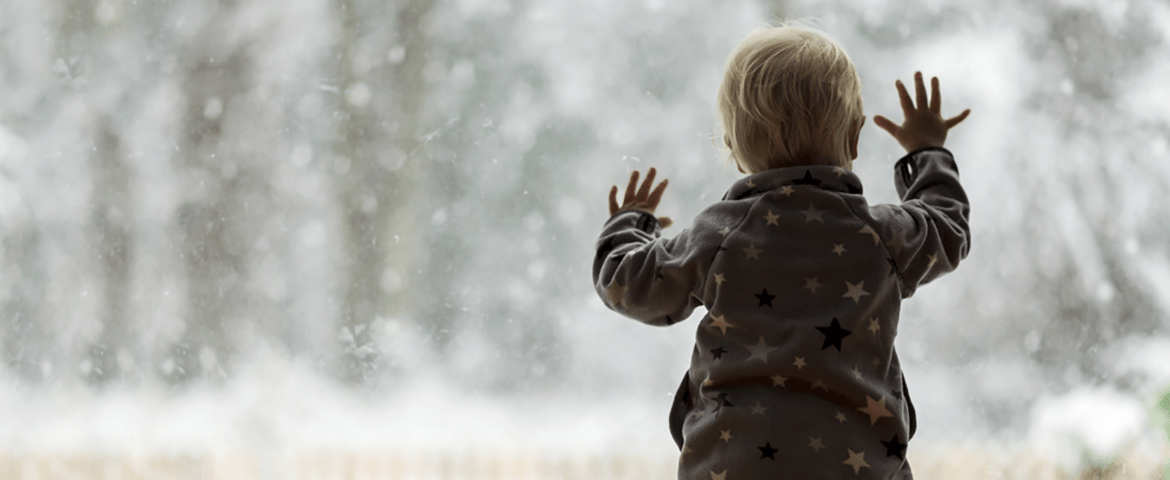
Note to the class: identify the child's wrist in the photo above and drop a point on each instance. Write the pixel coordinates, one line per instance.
(910, 147)
(635, 209)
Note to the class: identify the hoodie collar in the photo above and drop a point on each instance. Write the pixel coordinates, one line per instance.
(836, 179)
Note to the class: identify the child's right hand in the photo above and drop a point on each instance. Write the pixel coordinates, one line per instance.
(924, 125)
(640, 199)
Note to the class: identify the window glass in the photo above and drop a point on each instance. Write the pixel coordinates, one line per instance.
(356, 236)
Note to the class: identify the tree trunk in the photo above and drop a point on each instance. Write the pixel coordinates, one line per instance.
(379, 167)
(214, 238)
(109, 234)
(111, 228)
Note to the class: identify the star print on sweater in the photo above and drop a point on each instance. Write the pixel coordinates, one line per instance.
(813, 214)
(868, 230)
(760, 351)
(764, 298)
(722, 401)
(875, 409)
(895, 448)
(833, 335)
(752, 252)
(788, 269)
(719, 322)
(855, 291)
(811, 284)
(807, 179)
(856, 460)
(759, 409)
(772, 218)
(617, 294)
(768, 452)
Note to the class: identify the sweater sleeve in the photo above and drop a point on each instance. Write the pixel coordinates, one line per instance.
(928, 233)
(655, 280)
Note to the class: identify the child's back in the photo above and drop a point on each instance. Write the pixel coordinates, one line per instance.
(794, 372)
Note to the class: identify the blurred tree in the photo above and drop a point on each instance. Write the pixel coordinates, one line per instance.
(499, 173)
(1096, 294)
(380, 168)
(26, 342)
(224, 162)
(112, 237)
(83, 42)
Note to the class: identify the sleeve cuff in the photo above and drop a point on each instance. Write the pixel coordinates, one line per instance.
(643, 221)
(907, 169)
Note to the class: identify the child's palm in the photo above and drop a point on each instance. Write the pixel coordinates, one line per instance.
(924, 125)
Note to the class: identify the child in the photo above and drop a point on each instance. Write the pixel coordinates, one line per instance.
(794, 372)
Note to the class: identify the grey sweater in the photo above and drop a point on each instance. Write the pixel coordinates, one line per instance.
(794, 371)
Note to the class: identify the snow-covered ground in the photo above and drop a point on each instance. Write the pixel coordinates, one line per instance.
(279, 419)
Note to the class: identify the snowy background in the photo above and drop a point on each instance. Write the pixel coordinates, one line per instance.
(275, 226)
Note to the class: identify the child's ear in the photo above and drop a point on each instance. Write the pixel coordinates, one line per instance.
(855, 137)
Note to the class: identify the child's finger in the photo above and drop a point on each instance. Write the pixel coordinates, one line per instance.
(665, 221)
(613, 205)
(904, 96)
(957, 118)
(647, 183)
(920, 90)
(631, 188)
(656, 196)
(935, 96)
(886, 124)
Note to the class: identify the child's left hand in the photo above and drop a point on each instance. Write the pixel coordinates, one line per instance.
(640, 198)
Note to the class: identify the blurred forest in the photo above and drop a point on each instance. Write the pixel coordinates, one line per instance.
(389, 190)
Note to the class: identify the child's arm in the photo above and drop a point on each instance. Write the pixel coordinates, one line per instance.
(641, 275)
(928, 234)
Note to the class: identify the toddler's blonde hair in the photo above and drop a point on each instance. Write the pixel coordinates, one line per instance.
(790, 96)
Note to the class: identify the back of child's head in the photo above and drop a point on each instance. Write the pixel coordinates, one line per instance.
(790, 96)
